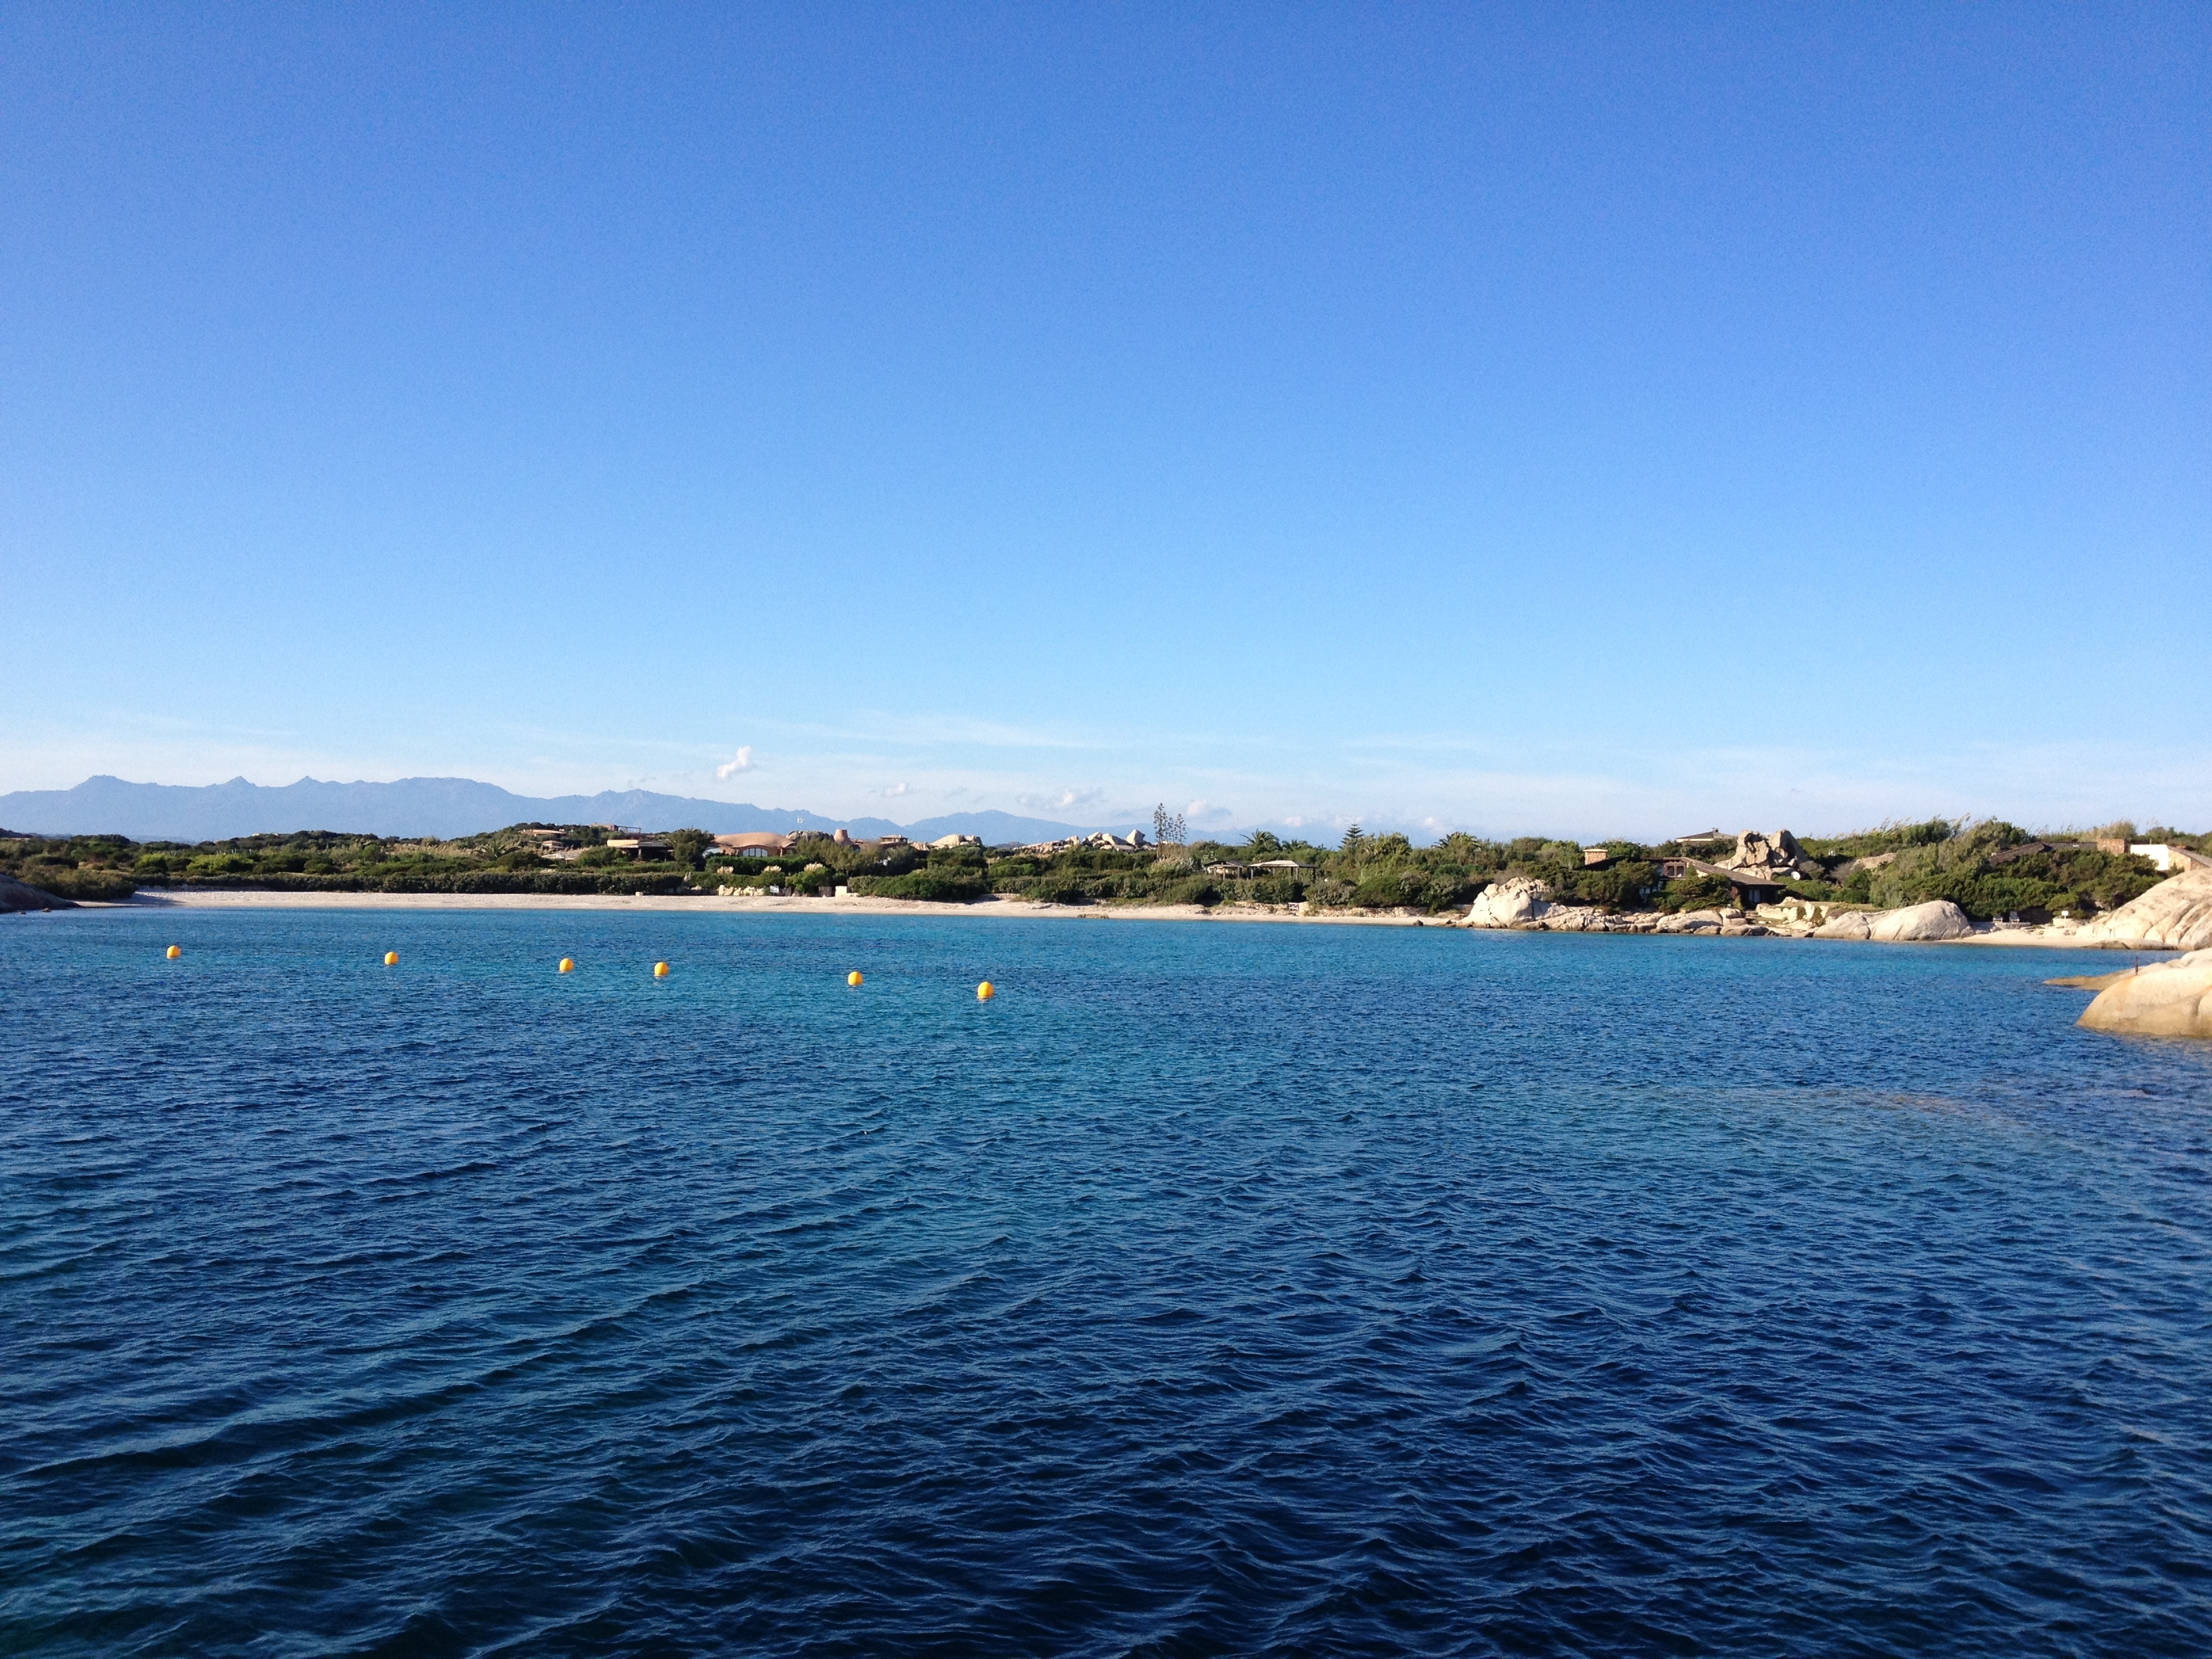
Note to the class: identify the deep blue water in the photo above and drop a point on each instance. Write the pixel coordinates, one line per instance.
(1218, 1289)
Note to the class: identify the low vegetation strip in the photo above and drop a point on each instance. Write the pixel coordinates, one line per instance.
(1988, 869)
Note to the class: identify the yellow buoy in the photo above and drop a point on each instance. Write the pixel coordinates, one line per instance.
(853, 978)
(986, 991)
(567, 964)
(175, 951)
(660, 970)
(392, 959)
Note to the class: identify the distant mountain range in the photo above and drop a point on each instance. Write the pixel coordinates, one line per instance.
(433, 806)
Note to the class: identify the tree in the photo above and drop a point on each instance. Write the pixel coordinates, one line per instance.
(687, 846)
(1353, 838)
(1167, 827)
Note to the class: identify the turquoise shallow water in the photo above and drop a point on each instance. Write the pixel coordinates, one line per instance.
(1216, 1289)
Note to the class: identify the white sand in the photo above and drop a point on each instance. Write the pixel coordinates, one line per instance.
(2055, 937)
(205, 899)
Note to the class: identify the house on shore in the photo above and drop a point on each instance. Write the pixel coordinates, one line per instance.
(1234, 870)
(2167, 859)
(754, 841)
(1753, 887)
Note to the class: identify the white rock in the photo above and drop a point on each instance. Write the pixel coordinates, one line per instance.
(1572, 919)
(2177, 912)
(1512, 902)
(2169, 998)
(1938, 919)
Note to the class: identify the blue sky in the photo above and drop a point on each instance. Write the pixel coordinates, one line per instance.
(1603, 419)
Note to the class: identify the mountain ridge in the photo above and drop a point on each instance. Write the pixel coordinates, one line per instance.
(444, 807)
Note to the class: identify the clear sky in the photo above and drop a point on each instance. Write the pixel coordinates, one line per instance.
(1606, 420)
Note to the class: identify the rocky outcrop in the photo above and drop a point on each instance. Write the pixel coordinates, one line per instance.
(1778, 857)
(1517, 903)
(1852, 924)
(21, 896)
(1574, 918)
(1513, 902)
(2170, 999)
(2177, 913)
(1937, 919)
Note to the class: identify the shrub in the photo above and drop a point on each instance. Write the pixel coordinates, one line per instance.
(1964, 871)
(1191, 890)
(1886, 837)
(1618, 886)
(1696, 892)
(1381, 889)
(64, 881)
(937, 886)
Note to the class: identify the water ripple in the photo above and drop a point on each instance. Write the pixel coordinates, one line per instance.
(1215, 1289)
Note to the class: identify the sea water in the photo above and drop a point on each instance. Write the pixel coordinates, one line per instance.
(1215, 1289)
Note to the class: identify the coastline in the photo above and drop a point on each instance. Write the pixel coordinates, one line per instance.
(237, 899)
(787, 904)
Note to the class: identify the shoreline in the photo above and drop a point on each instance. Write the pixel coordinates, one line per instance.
(2011, 937)
(785, 905)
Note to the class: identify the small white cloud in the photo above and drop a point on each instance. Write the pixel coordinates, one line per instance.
(1205, 811)
(1061, 801)
(741, 761)
(895, 790)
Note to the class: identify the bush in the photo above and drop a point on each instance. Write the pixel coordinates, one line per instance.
(937, 886)
(1618, 886)
(1885, 838)
(102, 886)
(1964, 871)
(1381, 889)
(1191, 890)
(1698, 892)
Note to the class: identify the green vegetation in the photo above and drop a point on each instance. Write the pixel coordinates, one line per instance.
(83, 867)
(1365, 871)
(1989, 869)
(1883, 838)
(504, 861)
(1994, 869)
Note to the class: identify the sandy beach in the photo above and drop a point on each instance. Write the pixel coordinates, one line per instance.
(219, 899)
(203, 899)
